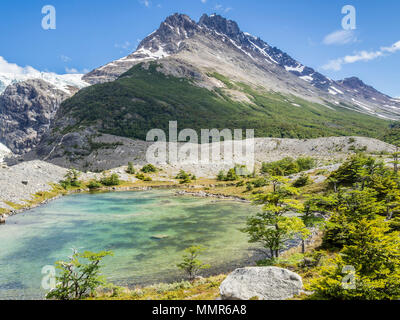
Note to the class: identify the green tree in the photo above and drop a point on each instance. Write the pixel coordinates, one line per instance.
(280, 200)
(270, 227)
(273, 231)
(395, 161)
(131, 168)
(71, 179)
(357, 169)
(373, 253)
(78, 279)
(350, 208)
(191, 265)
(311, 209)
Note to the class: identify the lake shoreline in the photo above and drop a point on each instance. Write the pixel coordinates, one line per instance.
(201, 194)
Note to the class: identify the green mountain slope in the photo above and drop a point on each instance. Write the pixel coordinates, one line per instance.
(144, 98)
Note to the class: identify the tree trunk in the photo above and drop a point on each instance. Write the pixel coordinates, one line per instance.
(303, 246)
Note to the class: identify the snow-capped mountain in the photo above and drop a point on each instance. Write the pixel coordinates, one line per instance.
(29, 100)
(64, 82)
(11, 73)
(200, 44)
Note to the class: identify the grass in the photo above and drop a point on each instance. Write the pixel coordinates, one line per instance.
(203, 289)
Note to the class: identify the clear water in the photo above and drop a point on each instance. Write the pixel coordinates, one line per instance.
(125, 223)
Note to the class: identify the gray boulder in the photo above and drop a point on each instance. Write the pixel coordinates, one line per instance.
(262, 283)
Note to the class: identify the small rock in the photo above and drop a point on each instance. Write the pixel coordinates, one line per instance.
(25, 182)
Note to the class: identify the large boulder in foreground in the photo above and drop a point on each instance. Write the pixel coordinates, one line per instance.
(263, 283)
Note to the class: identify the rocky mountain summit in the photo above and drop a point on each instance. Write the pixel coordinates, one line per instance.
(26, 109)
(180, 37)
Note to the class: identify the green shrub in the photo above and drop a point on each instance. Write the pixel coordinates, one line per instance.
(149, 168)
(288, 166)
(142, 177)
(306, 163)
(231, 175)
(184, 177)
(110, 181)
(221, 176)
(71, 179)
(94, 184)
(240, 184)
(259, 183)
(301, 181)
(249, 186)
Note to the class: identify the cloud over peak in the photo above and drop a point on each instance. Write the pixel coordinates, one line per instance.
(340, 37)
(365, 56)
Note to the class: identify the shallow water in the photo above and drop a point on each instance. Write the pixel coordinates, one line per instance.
(125, 223)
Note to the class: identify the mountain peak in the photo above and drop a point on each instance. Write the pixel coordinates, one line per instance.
(353, 82)
(220, 24)
(179, 20)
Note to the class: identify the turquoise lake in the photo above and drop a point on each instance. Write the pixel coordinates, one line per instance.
(125, 223)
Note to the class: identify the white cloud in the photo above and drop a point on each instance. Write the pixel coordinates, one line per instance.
(12, 68)
(340, 37)
(146, 3)
(365, 56)
(203, 1)
(126, 45)
(71, 70)
(65, 58)
(220, 7)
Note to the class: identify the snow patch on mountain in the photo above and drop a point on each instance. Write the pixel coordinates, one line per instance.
(11, 73)
(62, 82)
(307, 78)
(3, 152)
(299, 68)
(337, 90)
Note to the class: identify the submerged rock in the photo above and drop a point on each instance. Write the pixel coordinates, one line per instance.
(263, 283)
(159, 237)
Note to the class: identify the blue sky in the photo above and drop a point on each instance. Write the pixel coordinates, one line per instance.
(91, 33)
